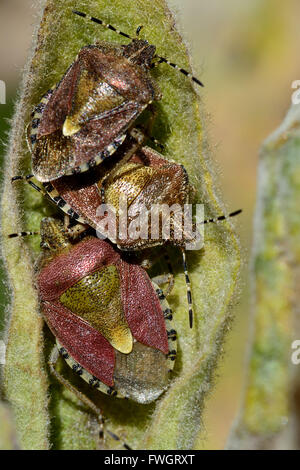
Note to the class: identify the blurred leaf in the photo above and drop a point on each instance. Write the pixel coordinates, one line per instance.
(270, 414)
(8, 440)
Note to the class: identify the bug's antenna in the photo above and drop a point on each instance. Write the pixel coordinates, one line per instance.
(175, 66)
(188, 288)
(186, 274)
(22, 234)
(221, 217)
(138, 30)
(160, 59)
(106, 25)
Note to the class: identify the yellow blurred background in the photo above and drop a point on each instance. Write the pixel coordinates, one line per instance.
(246, 53)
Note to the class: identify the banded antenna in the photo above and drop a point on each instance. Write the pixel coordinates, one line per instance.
(160, 58)
(22, 234)
(221, 217)
(185, 268)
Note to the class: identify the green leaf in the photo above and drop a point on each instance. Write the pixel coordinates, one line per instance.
(55, 417)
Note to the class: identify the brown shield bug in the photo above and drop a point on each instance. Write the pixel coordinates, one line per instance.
(84, 118)
(146, 180)
(112, 324)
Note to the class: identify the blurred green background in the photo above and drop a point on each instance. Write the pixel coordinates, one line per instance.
(246, 53)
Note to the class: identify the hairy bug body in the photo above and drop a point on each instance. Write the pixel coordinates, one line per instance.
(111, 323)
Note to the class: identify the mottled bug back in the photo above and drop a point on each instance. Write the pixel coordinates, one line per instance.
(107, 317)
(142, 307)
(141, 375)
(147, 179)
(83, 120)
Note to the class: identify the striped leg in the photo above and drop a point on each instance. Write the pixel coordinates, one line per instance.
(28, 179)
(83, 398)
(188, 288)
(171, 332)
(51, 194)
(76, 230)
(165, 279)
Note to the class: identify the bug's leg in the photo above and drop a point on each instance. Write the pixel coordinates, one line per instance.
(157, 143)
(73, 231)
(165, 279)
(83, 398)
(66, 221)
(188, 288)
(155, 62)
(77, 230)
(27, 179)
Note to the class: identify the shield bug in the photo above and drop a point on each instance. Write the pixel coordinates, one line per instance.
(84, 118)
(146, 182)
(112, 324)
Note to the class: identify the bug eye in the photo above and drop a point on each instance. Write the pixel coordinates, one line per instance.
(44, 245)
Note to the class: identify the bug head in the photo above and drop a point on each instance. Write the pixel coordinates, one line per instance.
(53, 235)
(140, 52)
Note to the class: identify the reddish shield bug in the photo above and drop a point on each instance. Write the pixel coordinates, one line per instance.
(112, 324)
(84, 118)
(102, 309)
